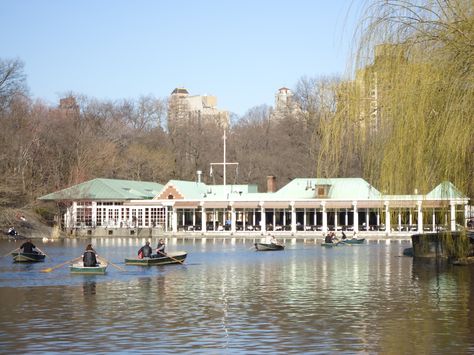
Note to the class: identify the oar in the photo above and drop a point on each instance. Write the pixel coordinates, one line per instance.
(169, 256)
(10, 252)
(111, 263)
(43, 253)
(49, 269)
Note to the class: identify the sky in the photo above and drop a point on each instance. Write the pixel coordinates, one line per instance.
(240, 51)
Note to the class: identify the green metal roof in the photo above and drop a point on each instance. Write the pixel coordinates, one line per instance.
(339, 188)
(445, 190)
(107, 189)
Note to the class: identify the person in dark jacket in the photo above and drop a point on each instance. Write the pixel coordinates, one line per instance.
(145, 251)
(328, 238)
(89, 257)
(160, 249)
(28, 247)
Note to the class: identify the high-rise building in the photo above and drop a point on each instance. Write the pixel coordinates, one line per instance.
(183, 107)
(285, 104)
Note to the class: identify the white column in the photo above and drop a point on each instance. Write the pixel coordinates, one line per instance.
(399, 220)
(378, 217)
(233, 221)
(94, 213)
(434, 220)
(315, 217)
(387, 218)
(203, 220)
(410, 218)
(244, 220)
(253, 216)
(194, 217)
(274, 219)
(347, 218)
(356, 217)
(367, 219)
(263, 217)
(74, 214)
(335, 219)
(420, 218)
(304, 219)
(284, 216)
(453, 216)
(325, 217)
(214, 219)
(174, 220)
(293, 217)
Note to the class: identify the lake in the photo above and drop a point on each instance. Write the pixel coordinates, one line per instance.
(230, 299)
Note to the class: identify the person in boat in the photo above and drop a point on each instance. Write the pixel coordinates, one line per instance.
(328, 238)
(145, 251)
(344, 237)
(12, 231)
(28, 247)
(89, 258)
(160, 249)
(334, 238)
(273, 240)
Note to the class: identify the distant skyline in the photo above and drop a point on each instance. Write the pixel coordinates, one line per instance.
(240, 51)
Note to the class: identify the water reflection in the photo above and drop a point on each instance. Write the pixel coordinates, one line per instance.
(89, 287)
(231, 299)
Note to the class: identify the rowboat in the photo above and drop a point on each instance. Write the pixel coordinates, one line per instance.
(268, 246)
(80, 269)
(354, 241)
(330, 245)
(170, 258)
(28, 257)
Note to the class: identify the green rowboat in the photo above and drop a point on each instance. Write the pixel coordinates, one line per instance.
(331, 245)
(27, 257)
(353, 241)
(80, 269)
(170, 258)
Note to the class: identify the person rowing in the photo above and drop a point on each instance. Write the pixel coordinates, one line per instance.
(28, 248)
(145, 251)
(160, 249)
(89, 257)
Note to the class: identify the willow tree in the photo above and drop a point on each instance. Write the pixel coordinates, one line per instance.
(411, 105)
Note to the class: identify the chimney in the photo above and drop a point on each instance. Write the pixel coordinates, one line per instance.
(271, 183)
(199, 172)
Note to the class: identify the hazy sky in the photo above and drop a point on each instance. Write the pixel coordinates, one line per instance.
(240, 51)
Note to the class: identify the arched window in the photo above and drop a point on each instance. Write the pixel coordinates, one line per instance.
(170, 197)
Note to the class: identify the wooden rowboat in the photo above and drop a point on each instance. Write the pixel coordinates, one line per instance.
(354, 241)
(331, 245)
(80, 269)
(170, 258)
(268, 246)
(28, 257)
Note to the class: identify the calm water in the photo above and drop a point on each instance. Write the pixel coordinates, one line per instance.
(229, 299)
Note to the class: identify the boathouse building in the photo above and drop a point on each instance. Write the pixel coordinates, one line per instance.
(103, 207)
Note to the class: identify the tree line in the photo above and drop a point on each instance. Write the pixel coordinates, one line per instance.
(413, 133)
